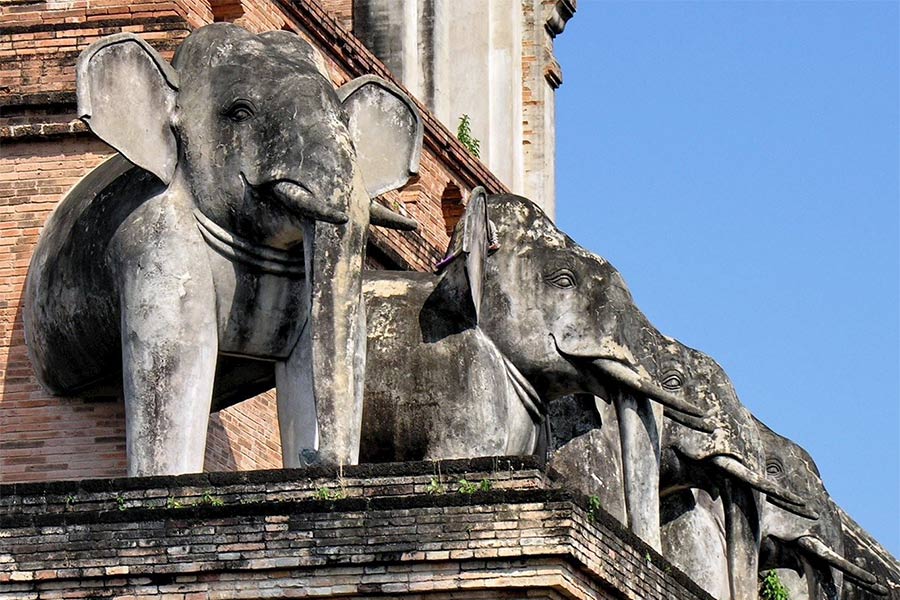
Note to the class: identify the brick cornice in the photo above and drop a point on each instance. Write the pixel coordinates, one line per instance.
(248, 524)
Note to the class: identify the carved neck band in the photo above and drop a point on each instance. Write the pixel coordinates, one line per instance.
(525, 392)
(266, 259)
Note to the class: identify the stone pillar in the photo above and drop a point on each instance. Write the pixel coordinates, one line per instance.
(490, 60)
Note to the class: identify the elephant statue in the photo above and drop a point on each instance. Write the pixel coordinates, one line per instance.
(710, 483)
(865, 552)
(222, 249)
(714, 482)
(807, 554)
(462, 363)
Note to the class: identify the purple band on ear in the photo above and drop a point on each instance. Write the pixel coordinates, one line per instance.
(445, 261)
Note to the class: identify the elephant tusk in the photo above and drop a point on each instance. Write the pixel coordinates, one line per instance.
(385, 217)
(627, 376)
(298, 198)
(800, 511)
(697, 424)
(818, 548)
(775, 494)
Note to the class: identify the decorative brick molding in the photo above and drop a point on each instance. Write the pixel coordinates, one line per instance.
(378, 530)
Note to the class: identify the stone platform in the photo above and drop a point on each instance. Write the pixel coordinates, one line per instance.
(485, 528)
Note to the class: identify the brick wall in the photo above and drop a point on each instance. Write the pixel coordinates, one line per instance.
(380, 530)
(341, 11)
(43, 437)
(44, 150)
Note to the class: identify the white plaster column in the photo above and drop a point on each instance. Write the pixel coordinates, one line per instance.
(489, 59)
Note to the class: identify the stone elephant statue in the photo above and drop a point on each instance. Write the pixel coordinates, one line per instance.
(462, 363)
(714, 482)
(807, 554)
(226, 252)
(865, 552)
(710, 483)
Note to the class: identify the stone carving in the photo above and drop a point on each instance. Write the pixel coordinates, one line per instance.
(471, 362)
(710, 484)
(540, 318)
(221, 253)
(808, 554)
(714, 478)
(232, 254)
(864, 551)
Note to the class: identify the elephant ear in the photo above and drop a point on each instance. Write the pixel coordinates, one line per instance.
(126, 95)
(466, 258)
(386, 129)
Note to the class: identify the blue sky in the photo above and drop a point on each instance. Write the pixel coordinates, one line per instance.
(738, 163)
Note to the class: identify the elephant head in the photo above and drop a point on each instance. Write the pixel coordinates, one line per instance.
(565, 318)
(490, 321)
(733, 448)
(247, 240)
(556, 311)
(250, 126)
(713, 479)
(811, 548)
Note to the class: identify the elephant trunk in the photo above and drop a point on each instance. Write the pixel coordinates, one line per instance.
(774, 492)
(629, 377)
(639, 435)
(305, 203)
(861, 577)
(742, 538)
(337, 330)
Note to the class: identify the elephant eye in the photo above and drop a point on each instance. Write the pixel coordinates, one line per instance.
(240, 110)
(672, 380)
(774, 468)
(563, 279)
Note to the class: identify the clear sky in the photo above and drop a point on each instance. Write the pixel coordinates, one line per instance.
(738, 163)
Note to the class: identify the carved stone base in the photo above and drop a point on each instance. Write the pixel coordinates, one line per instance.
(486, 528)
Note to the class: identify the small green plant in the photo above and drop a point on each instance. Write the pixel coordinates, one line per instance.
(324, 493)
(593, 507)
(435, 487)
(120, 502)
(70, 499)
(772, 588)
(464, 135)
(211, 500)
(466, 486)
(470, 487)
(173, 503)
(648, 558)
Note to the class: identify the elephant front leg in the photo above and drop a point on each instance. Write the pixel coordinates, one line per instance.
(169, 351)
(297, 414)
(742, 538)
(639, 432)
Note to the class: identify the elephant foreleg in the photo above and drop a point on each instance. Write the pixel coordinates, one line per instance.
(169, 352)
(693, 532)
(639, 421)
(742, 538)
(297, 418)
